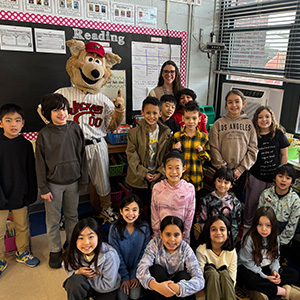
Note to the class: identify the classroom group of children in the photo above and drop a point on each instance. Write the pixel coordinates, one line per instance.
(166, 266)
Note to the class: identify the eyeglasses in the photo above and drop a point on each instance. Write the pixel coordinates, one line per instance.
(167, 71)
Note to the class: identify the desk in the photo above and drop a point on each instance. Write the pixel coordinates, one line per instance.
(116, 148)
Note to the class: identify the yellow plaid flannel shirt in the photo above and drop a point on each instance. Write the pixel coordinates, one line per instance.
(193, 158)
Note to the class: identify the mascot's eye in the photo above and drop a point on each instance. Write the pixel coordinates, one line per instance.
(97, 61)
(90, 59)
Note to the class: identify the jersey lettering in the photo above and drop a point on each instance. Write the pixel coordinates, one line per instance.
(83, 108)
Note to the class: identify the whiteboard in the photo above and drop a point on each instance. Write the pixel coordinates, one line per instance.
(147, 59)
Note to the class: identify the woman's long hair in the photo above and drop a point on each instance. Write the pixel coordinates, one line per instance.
(274, 125)
(272, 247)
(176, 83)
(73, 256)
(205, 234)
(121, 223)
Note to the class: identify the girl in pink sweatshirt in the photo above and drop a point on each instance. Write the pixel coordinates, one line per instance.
(173, 196)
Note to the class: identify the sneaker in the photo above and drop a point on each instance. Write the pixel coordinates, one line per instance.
(27, 259)
(55, 260)
(3, 265)
(256, 295)
(109, 215)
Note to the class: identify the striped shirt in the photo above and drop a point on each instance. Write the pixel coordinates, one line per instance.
(92, 112)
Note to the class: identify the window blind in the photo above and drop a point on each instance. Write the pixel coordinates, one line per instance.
(262, 37)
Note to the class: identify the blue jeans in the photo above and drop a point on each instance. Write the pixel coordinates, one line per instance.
(66, 198)
(133, 293)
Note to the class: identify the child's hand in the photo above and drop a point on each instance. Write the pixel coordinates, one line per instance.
(199, 148)
(156, 176)
(86, 271)
(274, 279)
(175, 287)
(277, 276)
(177, 146)
(236, 174)
(149, 177)
(125, 286)
(48, 197)
(153, 177)
(134, 283)
(164, 289)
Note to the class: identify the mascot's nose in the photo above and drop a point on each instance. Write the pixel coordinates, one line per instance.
(95, 73)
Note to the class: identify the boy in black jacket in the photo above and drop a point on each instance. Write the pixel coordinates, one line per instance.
(18, 186)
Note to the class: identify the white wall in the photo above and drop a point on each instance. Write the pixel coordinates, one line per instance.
(202, 17)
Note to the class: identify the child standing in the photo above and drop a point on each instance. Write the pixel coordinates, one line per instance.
(258, 264)
(218, 259)
(147, 145)
(129, 236)
(18, 186)
(233, 140)
(91, 264)
(169, 267)
(272, 152)
(168, 105)
(173, 196)
(222, 202)
(183, 97)
(61, 171)
(193, 144)
(284, 201)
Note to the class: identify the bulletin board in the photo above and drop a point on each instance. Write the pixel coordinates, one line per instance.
(26, 76)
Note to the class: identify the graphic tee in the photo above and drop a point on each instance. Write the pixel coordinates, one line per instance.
(153, 145)
(269, 157)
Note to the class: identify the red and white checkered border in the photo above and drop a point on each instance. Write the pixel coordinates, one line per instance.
(64, 21)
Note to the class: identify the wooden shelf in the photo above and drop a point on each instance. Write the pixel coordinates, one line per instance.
(116, 148)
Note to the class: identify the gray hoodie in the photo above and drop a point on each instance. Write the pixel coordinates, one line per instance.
(233, 143)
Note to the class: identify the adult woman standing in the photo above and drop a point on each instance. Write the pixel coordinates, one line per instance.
(168, 81)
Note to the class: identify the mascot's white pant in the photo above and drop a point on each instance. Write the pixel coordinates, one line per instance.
(98, 161)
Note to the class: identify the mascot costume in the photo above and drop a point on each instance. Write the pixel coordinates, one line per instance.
(89, 68)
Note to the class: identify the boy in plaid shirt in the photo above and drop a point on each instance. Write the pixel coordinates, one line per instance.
(193, 144)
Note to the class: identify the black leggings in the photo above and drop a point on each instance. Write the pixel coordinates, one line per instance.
(253, 281)
(160, 275)
(78, 288)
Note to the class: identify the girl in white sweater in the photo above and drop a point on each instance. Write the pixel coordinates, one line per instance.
(218, 259)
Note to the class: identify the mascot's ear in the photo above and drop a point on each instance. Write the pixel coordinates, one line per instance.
(75, 46)
(112, 59)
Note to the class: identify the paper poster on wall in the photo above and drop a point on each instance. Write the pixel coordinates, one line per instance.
(122, 13)
(50, 41)
(146, 16)
(117, 82)
(39, 6)
(99, 10)
(72, 8)
(147, 59)
(10, 4)
(16, 38)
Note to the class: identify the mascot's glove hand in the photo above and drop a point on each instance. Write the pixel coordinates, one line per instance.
(119, 102)
(39, 110)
